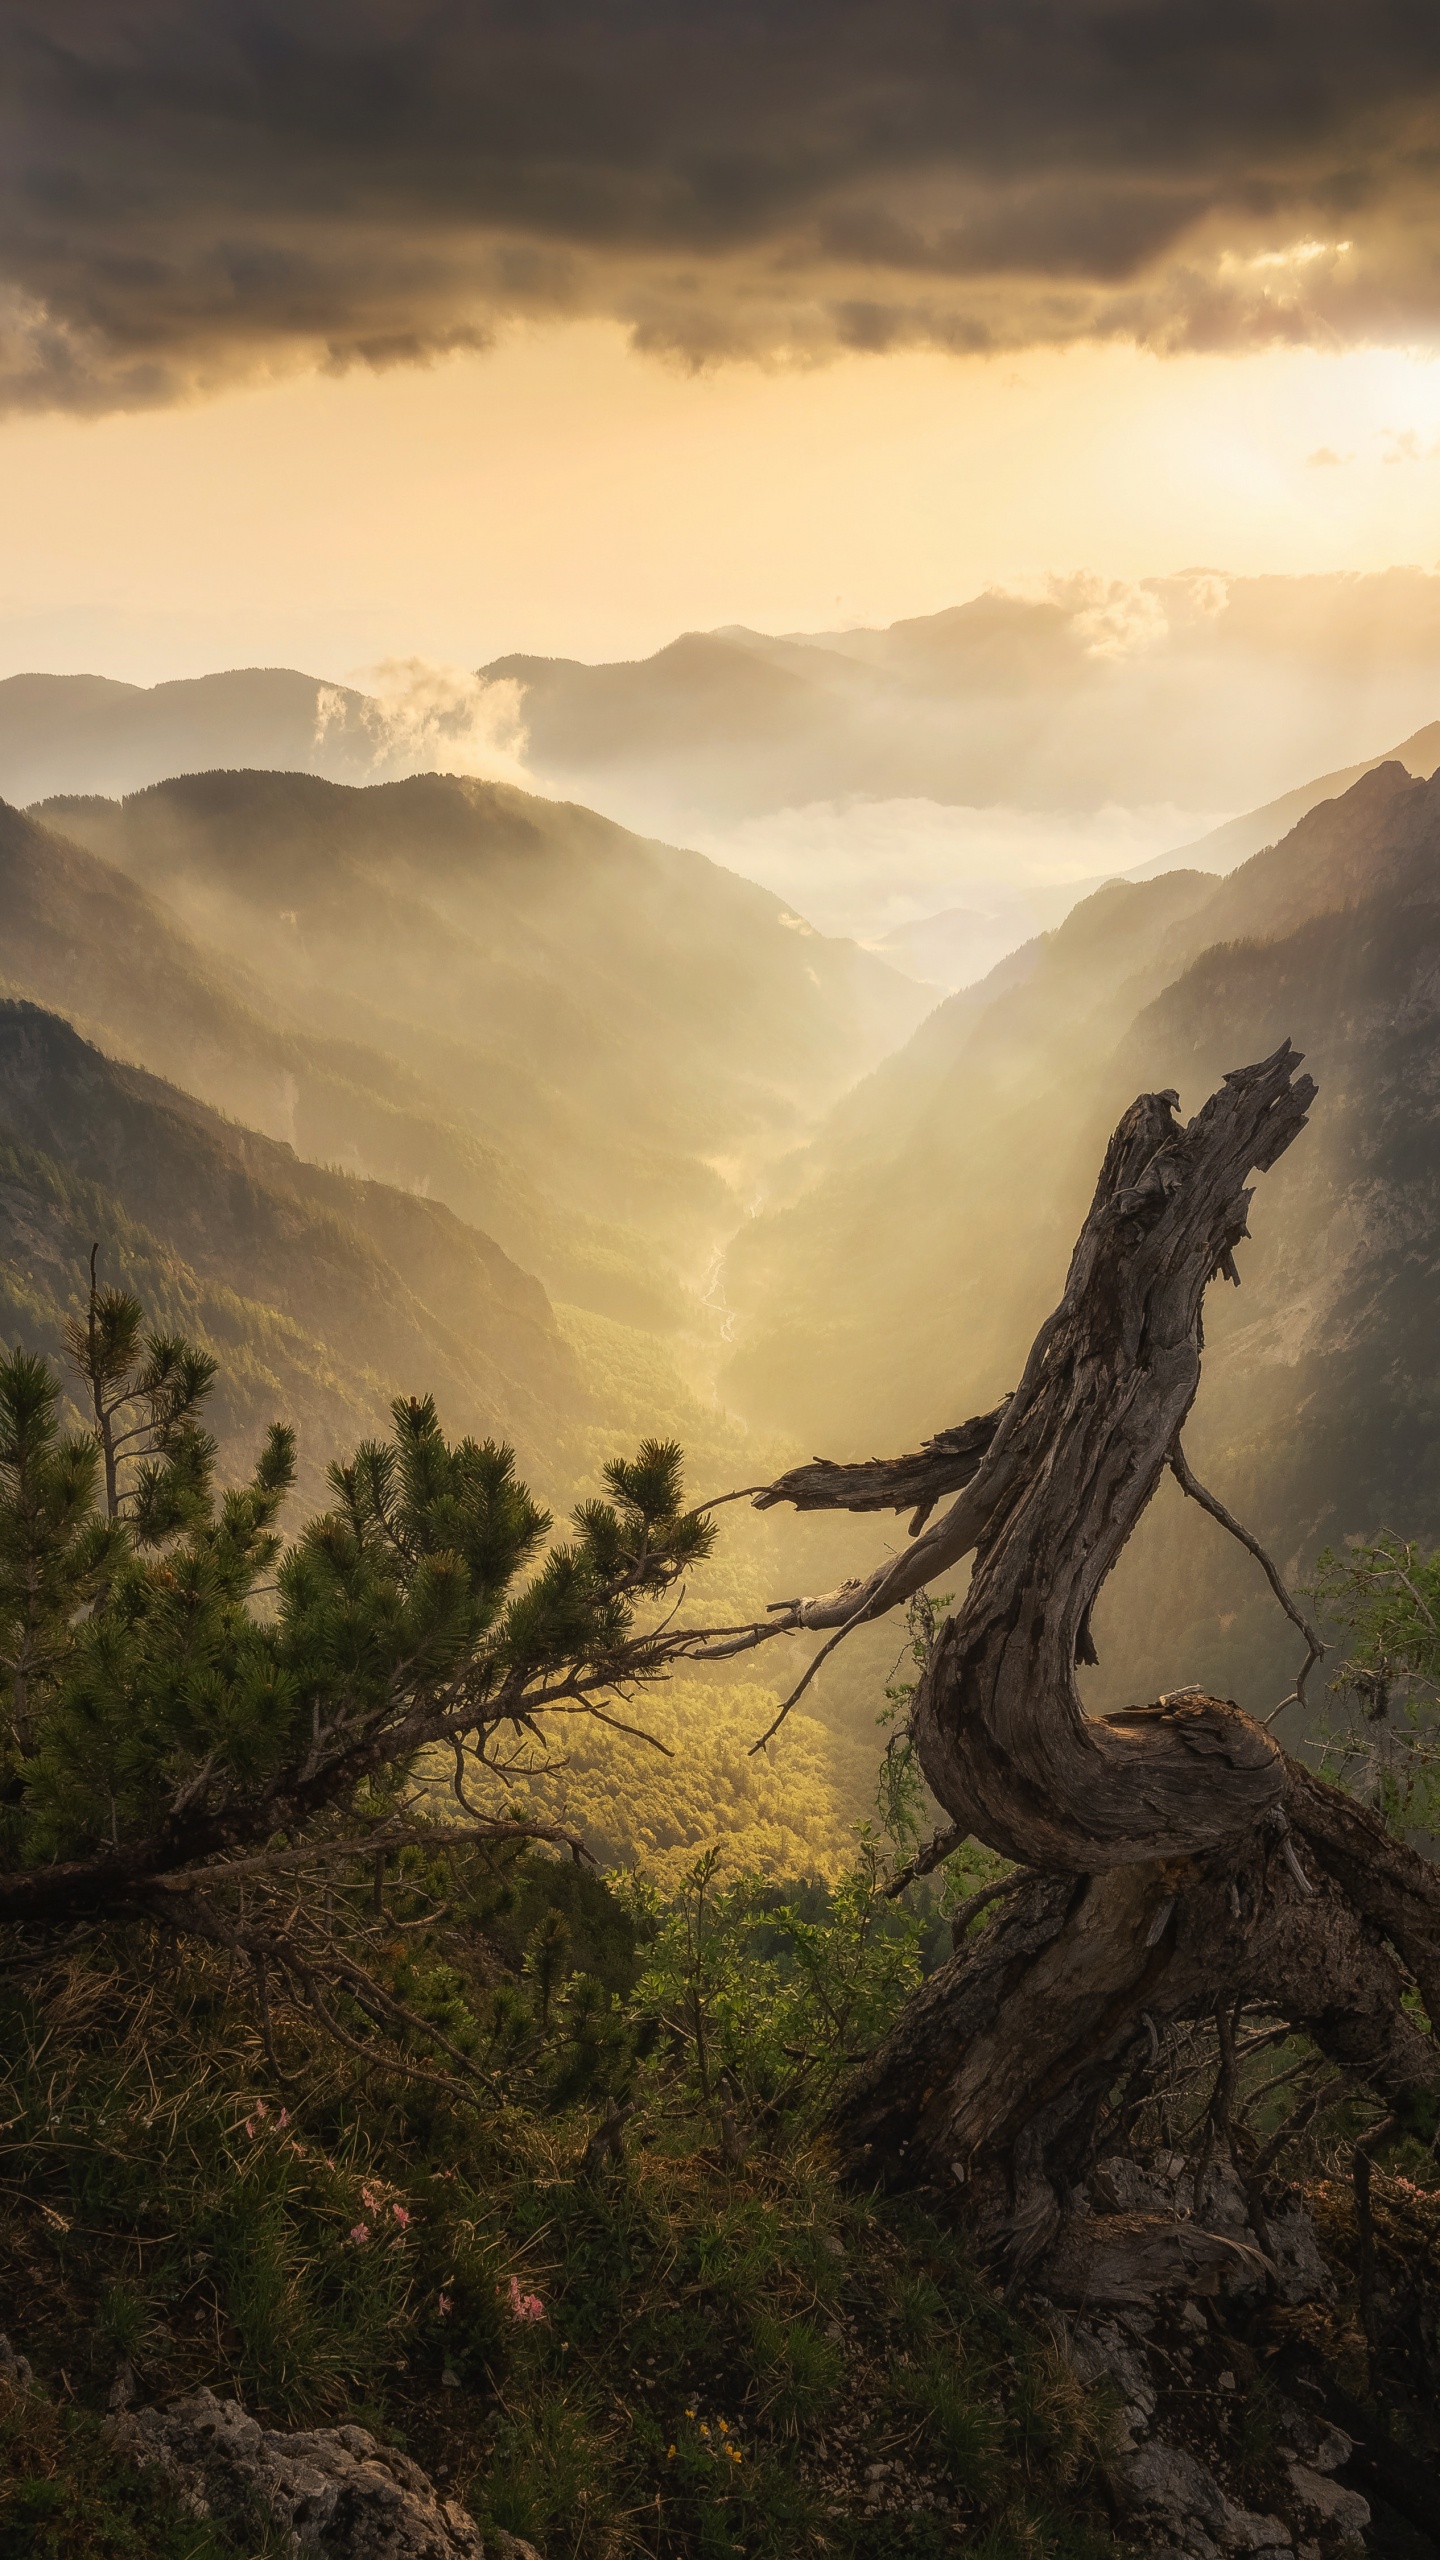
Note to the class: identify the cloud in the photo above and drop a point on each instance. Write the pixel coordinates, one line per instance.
(865, 867)
(193, 191)
(1405, 446)
(425, 718)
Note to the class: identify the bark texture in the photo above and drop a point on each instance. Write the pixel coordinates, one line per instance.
(916, 1483)
(1002, 1735)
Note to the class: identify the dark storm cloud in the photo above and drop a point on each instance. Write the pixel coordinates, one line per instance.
(191, 189)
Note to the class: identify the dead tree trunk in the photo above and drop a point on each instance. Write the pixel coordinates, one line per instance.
(1175, 1855)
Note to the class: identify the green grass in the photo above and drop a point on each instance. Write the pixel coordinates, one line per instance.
(726, 2352)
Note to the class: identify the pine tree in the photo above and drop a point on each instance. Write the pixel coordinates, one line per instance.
(202, 1718)
(145, 1391)
(55, 1552)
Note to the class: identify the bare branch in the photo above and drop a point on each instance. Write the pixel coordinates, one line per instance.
(925, 1860)
(916, 1483)
(486, 1831)
(637, 1731)
(1189, 1483)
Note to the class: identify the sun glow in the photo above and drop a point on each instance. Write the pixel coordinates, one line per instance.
(565, 495)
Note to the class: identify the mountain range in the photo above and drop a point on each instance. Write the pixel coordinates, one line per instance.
(586, 1043)
(1199, 690)
(91, 733)
(1191, 693)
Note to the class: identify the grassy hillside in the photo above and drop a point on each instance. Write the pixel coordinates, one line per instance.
(719, 2352)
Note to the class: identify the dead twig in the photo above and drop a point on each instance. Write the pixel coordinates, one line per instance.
(1190, 1483)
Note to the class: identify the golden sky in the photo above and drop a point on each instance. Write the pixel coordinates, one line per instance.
(335, 330)
(565, 495)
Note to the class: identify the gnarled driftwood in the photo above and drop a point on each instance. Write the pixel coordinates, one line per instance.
(1173, 1857)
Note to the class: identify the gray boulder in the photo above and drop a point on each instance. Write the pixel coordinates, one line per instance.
(1178, 2498)
(334, 2490)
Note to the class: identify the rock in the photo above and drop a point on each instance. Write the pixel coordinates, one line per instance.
(1315, 2441)
(1175, 2490)
(1255, 2533)
(1172, 2489)
(14, 2369)
(1150, 2227)
(1344, 2511)
(1301, 2274)
(334, 2489)
(1133, 2258)
(1098, 2351)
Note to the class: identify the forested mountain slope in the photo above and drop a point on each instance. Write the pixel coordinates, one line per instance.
(324, 1295)
(85, 939)
(900, 1290)
(639, 1027)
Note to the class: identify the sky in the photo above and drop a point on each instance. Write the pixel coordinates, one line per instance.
(566, 495)
(338, 330)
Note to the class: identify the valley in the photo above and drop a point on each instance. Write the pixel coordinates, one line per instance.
(433, 1083)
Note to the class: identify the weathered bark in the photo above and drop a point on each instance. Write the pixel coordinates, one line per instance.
(1001, 1733)
(1039, 2017)
(1175, 1854)
(916, 1483)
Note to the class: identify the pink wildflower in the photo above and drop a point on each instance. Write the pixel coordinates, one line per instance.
(370, 2200)
(359, 2233)
(446, 2306)
(401, 2216)
(284, 2117)
(525, 2306)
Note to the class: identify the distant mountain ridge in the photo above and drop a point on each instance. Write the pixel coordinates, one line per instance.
(90, 733)
(1199, 690)
(1233, 843)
